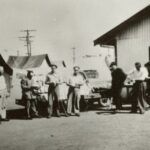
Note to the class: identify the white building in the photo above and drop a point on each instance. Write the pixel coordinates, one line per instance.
(131, 40)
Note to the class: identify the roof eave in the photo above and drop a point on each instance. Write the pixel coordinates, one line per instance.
(110, 42)
(113, 32)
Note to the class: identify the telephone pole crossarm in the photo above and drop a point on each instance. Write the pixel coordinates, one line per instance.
(28, 41)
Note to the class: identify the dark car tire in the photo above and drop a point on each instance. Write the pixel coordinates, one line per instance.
(104, 102)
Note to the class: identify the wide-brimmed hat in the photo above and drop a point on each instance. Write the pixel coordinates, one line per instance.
(112, 64)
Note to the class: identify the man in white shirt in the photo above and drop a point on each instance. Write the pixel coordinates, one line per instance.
(138, 75)
(75, 83)
(3, 95)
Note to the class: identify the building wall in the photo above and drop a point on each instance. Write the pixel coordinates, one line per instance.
(133, 44)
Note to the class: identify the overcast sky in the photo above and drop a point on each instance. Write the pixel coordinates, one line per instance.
(61, 24)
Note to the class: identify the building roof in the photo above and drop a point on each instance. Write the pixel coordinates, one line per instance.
(7, 68)
(109, 37)
(25, 62)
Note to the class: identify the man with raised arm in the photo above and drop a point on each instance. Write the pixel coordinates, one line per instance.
(118, 78)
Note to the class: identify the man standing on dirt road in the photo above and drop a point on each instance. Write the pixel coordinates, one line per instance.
(75, 84)
(118, 78)
(138, 75)
(53, 80)
(3, 96)
(27, 85)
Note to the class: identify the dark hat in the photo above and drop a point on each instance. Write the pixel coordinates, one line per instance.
(147, 64)
(29, 71)
(138, 64)
(112, 64)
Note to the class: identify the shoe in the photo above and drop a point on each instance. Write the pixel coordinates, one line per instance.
(147, 108)
(78, 114)
(4, 119)
(48, 117)
(117, 110)
(58, 116)
(28, 118)
(66, 115)
(57, 113)
(142, 112)
(38, 116)
(72, 114)
(133, 111)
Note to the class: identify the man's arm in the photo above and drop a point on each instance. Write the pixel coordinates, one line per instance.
(47, 80)
(144, 74)
(124, 76)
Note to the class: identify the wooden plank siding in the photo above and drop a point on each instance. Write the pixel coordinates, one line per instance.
(133, 43)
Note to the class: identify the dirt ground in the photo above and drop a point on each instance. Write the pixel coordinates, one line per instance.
(93, 130)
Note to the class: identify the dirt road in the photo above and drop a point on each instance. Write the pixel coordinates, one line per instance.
(94, 130)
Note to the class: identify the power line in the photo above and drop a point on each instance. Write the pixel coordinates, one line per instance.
(28, 41)
(74, 55)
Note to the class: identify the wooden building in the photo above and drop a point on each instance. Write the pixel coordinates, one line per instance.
(131, 40)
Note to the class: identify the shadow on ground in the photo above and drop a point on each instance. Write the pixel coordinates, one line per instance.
(16, 114)
(106, 111)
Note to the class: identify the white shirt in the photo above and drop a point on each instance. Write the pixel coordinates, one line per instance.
(78, 79)
(54, 77)
(138, 75)
(2, 83)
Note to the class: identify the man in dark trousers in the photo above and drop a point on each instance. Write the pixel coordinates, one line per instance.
(53, 79)
(138, 76)
(147, 66)
(118, 78)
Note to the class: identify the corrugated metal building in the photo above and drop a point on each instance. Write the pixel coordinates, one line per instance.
(131, 40)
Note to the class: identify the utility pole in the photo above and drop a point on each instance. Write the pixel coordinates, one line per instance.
(74, 55)
(28, 41)
(17, 52)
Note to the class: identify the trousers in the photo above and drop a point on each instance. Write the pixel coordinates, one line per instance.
(3, 104)
(73, 101)
(138, 97)
(31, 107)
(117, 97)
(53, 103)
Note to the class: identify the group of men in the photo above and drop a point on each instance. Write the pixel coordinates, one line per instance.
(55, 100)
(137, 76)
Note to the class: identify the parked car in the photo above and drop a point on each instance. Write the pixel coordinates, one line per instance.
(94, 89)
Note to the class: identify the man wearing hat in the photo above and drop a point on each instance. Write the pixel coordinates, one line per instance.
(76, 81)
(53, 80)
(28, 87)
(3, 95)
(118, 78)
